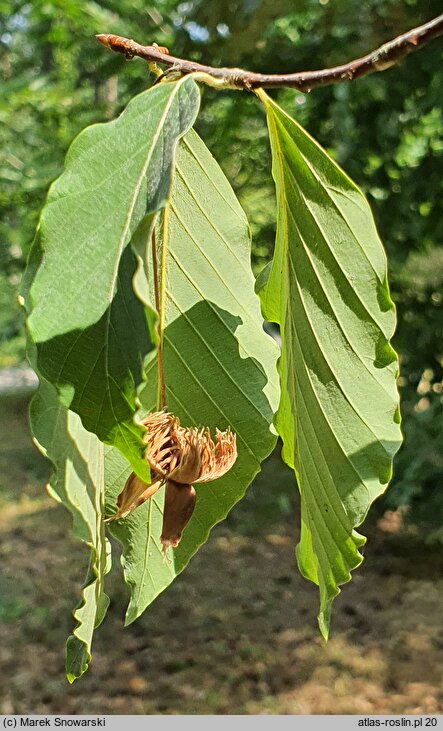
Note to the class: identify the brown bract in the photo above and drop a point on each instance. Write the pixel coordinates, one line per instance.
(179, 457)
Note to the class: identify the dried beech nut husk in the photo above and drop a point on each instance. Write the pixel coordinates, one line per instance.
(178, 508)
(135, 493)
(180, 457)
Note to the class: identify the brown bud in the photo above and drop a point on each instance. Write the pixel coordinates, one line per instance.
(161, 49)
(178, 508)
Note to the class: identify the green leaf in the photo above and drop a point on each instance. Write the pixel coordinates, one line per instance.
(327, 289)
(91, 331)
(220, 366)
(78, 483)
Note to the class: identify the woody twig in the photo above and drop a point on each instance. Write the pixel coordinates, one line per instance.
(382, 58)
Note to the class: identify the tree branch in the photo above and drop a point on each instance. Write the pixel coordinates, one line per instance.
(379, 60)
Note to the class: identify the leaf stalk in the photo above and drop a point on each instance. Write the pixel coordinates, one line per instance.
(159, 297)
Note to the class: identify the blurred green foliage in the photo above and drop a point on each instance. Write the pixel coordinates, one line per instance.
(386, 130)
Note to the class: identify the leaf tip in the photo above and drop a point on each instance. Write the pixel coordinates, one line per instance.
(77, 658)
(131, 615)
(324, 620)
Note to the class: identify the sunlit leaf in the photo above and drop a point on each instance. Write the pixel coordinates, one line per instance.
(327, 289)
(78, 483)
(219, 364)
(91, 331)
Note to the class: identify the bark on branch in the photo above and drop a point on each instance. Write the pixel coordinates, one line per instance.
(382, 58)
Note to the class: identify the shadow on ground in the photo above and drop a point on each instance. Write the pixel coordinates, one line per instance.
(236, 632)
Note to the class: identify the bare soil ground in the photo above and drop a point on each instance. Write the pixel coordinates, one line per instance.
(236, 633)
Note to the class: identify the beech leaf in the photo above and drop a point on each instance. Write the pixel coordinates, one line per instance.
(220, 366)
(92, 333)
(327, 289)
